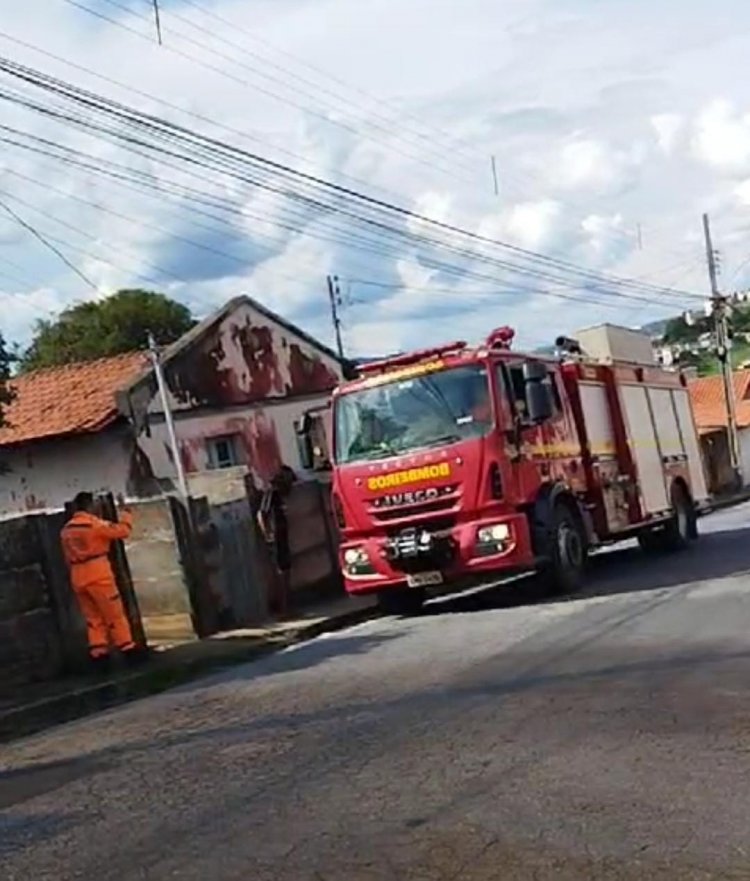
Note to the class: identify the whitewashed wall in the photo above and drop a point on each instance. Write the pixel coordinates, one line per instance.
(45, 475)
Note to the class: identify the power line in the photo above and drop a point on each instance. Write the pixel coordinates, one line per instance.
(244, 82)
(37, 235)
(428, 141)
(210, 13)
(583, 276)
(612, 234)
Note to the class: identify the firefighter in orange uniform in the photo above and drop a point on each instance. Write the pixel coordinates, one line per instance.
(86, 541)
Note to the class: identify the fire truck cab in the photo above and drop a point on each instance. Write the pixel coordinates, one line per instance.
(459, 464)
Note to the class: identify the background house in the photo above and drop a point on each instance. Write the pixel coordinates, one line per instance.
(237, 384)
(65, 434)
(710, 410)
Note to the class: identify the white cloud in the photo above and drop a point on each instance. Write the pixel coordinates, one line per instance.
(599, 121)
(722, 137)
(531, 223)
(668, 128)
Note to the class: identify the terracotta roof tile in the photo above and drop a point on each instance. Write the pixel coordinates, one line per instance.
(709, 405)
(74, 399)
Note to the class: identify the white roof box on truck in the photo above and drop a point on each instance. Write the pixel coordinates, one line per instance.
(608, 342)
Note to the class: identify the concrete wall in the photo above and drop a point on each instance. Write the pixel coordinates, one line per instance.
(41, 632)
(158, 577)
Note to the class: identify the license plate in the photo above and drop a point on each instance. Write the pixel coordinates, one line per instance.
(423, 579)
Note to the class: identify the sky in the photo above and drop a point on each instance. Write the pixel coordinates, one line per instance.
(614, 125)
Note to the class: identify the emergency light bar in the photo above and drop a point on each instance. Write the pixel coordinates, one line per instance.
(387, 364)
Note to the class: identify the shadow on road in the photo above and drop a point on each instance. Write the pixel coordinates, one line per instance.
(619, 570)
(303, 656)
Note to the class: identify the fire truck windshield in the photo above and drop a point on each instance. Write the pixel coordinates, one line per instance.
(409, 414)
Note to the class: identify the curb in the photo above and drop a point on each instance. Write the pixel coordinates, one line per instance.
(731, 502)
(49, 712)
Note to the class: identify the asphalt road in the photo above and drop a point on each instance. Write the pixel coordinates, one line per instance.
(500, 736)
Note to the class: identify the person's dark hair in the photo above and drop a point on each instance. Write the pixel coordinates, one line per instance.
(84, 501)
(284, 479)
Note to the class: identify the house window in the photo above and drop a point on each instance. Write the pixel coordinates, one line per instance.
(223, 452)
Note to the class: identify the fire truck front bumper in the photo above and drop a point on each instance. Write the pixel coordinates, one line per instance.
(419, 557)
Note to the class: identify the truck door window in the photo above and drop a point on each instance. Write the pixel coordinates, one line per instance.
(511, 378)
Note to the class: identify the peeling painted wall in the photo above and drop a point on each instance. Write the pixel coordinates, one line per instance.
(244, 359)
(249, 378)
(264, 437)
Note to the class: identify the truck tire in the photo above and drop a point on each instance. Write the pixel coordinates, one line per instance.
(405, 602)
(679, 531)
(563, 573)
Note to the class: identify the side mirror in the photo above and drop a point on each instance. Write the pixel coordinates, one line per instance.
(304, 442)
(534, 371)
(538, 392)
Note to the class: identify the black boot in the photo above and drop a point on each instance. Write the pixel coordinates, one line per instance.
(101, 665)
(136, 657)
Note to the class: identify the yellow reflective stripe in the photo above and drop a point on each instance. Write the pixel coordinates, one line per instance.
(402, 373)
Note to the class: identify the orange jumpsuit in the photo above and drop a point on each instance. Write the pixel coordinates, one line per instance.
(86, 541)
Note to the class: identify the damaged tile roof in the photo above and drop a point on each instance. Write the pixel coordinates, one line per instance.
(709, 405)
(74, 399)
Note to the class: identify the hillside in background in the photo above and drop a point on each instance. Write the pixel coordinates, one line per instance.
(693, 345)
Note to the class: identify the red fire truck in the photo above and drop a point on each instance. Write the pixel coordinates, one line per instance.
(460, 464)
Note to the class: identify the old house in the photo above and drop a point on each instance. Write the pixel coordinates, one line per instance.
(710, 410)
(237, 384)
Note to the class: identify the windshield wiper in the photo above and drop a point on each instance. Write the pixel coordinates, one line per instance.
(443, 439)
(378, 452)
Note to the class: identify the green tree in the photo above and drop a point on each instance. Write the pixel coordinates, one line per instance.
(117, 324)
(6, 392)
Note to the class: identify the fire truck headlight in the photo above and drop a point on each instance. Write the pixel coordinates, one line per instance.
(489, 534)
(357, 562)
(492, 539)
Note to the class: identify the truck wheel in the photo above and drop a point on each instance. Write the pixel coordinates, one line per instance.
(682, 528)
(651, 541)
(567, 550)
(678, 532)
(401, 602)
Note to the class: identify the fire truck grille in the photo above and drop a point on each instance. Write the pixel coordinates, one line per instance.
(423, 503)
(422, 549)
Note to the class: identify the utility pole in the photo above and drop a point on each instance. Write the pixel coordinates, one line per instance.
(494, 175)
(157, 21)
(720, 308)
(334, 295)
(161, 384)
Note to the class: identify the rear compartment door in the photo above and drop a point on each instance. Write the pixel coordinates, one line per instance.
(684, 414)
(645, 446)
